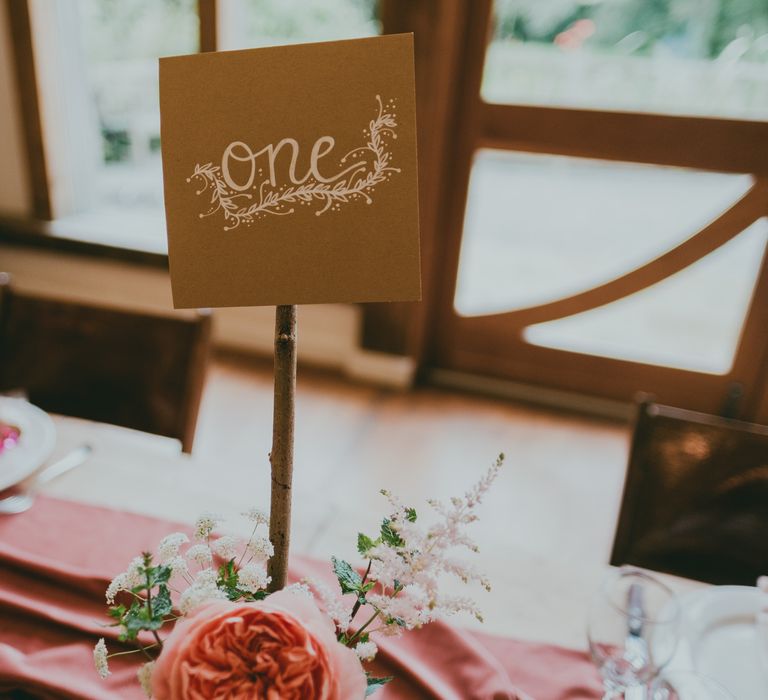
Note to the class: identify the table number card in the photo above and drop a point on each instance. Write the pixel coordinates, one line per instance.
(290, 174)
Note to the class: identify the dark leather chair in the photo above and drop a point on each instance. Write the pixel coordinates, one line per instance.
(695, 497)
(137, 370)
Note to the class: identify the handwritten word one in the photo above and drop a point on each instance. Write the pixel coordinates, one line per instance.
(240, 152)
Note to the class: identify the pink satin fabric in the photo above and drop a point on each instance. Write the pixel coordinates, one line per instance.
(56, 561)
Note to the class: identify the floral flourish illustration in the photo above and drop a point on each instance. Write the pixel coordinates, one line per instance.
(239, 208)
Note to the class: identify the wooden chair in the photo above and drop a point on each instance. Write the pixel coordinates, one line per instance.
(696, 497)
(131, 369)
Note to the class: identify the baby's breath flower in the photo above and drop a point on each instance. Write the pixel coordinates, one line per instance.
(260, 548)
(226, 547)
(119, 583)
(144, 675)
(200, 553)
(204, 588)
(256, 516)
(178, 566)
(205, 524)
(170, 544)
(100, 658)
(366, 650)
(135, 573)
(252, 577)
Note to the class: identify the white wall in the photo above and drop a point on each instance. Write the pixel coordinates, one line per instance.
(15, 195)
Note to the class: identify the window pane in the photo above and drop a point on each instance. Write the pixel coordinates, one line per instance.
(701, 57)
(251, 23)
(122, 40)
(691, 320)
(539, 228)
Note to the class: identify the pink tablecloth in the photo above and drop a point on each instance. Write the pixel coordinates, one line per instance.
(56, 560)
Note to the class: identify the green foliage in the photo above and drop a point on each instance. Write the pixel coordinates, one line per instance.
(349, 580)
(364, 544)
(375, 684)
(389, 536)
(228, 582)
(691, 28)
(147, 612)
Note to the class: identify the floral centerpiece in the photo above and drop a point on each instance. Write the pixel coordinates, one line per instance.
(201, 615)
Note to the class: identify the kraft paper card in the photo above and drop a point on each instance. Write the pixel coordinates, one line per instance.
(290, 174)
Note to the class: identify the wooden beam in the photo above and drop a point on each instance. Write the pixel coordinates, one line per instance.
(26, 85)
(206, 11)
(723, 145)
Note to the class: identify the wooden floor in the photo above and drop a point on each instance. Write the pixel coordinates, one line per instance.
(557, 498)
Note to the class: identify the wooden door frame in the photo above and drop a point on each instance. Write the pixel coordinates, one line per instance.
(468, 123)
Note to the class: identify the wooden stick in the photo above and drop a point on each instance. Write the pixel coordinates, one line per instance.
(281, 456)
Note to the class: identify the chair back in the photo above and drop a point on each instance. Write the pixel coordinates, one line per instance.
(695, 497)
(137, 370)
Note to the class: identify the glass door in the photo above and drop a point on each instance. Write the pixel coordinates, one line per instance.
(607, 216)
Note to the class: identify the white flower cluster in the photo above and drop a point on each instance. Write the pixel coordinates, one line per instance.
(144, 674)
(202, 582)
(203, 588)
(170, 544)
(205, 524)
(334, 605)
(409, 567)
(100, 658)
(252, 577)
(130, 578)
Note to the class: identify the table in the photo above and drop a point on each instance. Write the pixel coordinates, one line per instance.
(532, 598)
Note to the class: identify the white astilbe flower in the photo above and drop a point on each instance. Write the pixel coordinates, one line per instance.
(144, 674)
(299, 589)
(335, 607)
(205, 524)
(227, 547)
(200, 553)
(252, 577)
(409, 563)
(170, 544)
(366, 650)
(256, 516)
(100, 658)
(202, 589)
(260, 548)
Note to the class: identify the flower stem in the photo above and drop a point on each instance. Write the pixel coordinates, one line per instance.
(363, 628)
(357, 602)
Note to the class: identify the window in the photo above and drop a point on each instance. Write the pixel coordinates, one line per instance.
(102, 135)
(697, 57)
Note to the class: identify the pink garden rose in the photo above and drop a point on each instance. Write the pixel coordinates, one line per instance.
(281, 648)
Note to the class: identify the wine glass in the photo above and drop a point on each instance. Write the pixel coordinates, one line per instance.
(683, 685)
(633, 629)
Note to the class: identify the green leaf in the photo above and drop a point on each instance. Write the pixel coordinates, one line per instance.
(410, 515)
(364, 544)
(349, 580)
(375, 684)
(389, 536)
(159, 574)
(137, 619)
(161, 603)
(116, 612)
(395, 621)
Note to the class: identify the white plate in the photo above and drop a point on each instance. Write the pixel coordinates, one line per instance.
(720, 639)
(36, 441)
